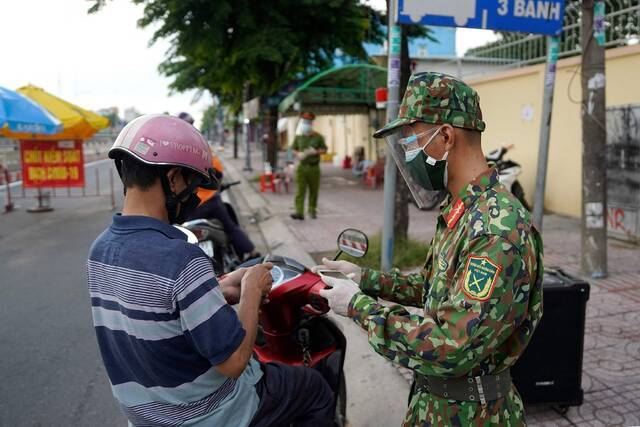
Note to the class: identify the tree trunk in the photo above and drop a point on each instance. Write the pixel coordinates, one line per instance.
(401, 220)
(235, 136)
(272, 136)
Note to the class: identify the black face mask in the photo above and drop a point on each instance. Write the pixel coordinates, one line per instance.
(180, 206)
(187, 208)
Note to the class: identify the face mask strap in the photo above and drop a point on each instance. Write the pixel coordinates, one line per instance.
(172, 200)
(430, 160)
(416, 136)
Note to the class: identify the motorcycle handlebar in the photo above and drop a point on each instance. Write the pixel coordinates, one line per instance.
(226, 186)
(317, 303)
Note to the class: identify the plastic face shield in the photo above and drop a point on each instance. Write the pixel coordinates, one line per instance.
(405, 146)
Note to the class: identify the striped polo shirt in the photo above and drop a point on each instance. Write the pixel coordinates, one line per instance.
(163, 325)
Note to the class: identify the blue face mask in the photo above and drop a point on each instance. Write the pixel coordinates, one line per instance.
(409, 155)
(305, 127)
(412, 154)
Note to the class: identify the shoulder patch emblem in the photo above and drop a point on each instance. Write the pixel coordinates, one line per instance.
(455, 214)
(480, 277)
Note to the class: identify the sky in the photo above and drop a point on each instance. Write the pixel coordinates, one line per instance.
(466, 38)
(103, 60)
(95, 61)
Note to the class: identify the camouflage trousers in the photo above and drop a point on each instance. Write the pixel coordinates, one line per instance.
(428, 410)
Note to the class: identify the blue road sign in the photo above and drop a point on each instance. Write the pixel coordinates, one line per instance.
(528, 16)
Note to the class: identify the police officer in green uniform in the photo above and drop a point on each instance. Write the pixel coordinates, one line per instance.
(481, 285)
(308, 146)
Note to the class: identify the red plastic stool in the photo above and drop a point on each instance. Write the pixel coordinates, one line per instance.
(267, 182)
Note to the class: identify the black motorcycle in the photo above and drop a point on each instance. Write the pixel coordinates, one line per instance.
(213, 239)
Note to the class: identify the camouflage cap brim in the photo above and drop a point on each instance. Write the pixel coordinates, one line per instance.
(437, 99)
(393, 125)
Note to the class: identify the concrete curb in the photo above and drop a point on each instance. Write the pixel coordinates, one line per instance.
(376, 391)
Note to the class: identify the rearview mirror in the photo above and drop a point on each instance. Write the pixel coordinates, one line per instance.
(353, 242)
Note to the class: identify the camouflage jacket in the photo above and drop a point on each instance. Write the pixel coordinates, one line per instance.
(481, 289)
(302, 142)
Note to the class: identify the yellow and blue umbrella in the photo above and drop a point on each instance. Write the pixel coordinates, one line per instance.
(77, 123)
(19, 114)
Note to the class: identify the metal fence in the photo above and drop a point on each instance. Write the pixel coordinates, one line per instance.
(99, 182)
(514, 50)
(623, 171)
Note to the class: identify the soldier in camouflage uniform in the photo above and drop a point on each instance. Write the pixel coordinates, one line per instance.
(481, 285)
(308, 146)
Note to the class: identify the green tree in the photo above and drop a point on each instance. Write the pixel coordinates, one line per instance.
(219, 45)
(209, 119)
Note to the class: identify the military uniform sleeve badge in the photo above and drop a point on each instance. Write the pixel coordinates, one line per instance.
(480, 276)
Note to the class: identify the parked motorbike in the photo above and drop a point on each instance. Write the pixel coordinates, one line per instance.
(508, 171)
(213, 239)
(293, 327)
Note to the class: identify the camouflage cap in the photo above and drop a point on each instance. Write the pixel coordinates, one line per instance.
(437, 98)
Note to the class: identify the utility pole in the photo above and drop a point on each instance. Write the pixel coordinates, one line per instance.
(246, 123)
(235, 136)
(393, 87)
(553, 47)
(594, 139)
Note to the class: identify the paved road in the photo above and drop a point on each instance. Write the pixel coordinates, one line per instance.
(50, 367)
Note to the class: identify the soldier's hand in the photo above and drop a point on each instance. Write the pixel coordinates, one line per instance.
(339, 294)
(345, 267)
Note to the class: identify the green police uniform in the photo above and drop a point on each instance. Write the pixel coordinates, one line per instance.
(308, 171)
(481, 286)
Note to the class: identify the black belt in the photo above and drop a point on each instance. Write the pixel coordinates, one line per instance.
(483, 389)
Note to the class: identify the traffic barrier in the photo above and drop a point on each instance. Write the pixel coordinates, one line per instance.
(8, 205)
(92, 188)
(9, 177)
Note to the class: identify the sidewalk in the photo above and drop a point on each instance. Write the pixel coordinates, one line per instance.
(611, 366)
(370, 379)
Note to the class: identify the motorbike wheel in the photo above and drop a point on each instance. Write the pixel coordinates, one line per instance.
(518, 191)
(341, 403)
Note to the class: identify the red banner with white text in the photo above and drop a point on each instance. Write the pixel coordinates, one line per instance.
(52, 164)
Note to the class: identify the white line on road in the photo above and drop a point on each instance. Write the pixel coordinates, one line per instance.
(86, 166)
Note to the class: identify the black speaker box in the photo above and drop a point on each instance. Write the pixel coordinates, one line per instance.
(549, 372)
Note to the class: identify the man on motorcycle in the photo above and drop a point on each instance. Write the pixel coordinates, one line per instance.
(481, 286)
(175, 351)
(212, 206)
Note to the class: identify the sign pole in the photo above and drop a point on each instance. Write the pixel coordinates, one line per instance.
(390, 174)
(594, 142)
(553, 46)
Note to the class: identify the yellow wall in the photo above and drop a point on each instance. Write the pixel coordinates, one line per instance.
(342, 133)
(504, 96)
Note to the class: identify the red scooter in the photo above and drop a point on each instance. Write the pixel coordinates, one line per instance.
(293, 327)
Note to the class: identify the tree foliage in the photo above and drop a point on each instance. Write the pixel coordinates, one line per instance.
(218, 45)
(209, 119)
